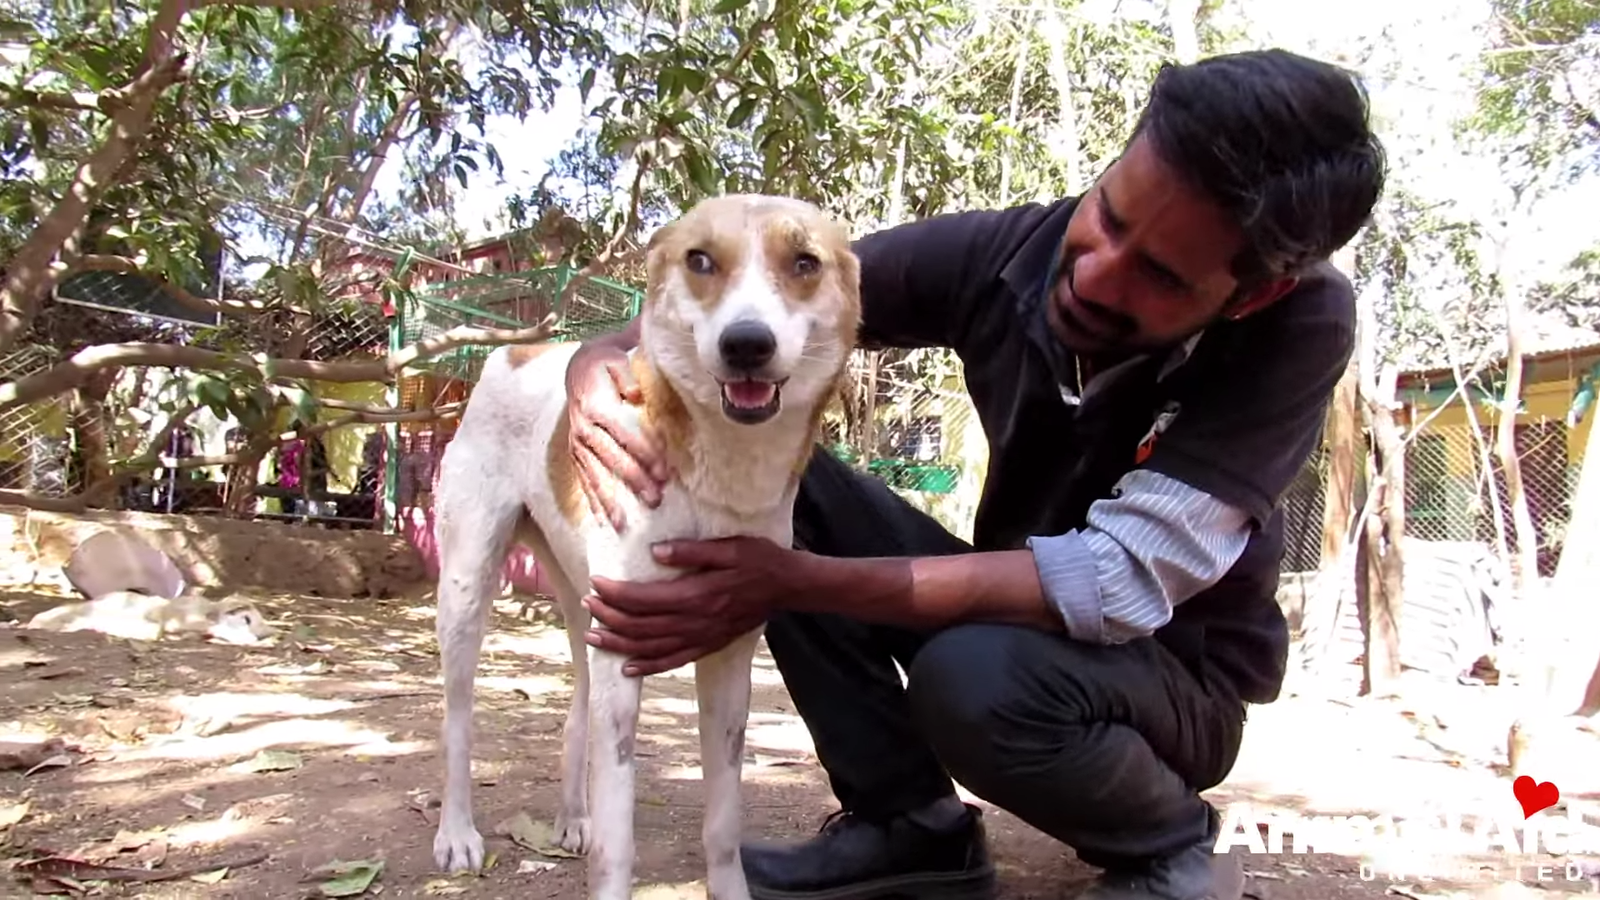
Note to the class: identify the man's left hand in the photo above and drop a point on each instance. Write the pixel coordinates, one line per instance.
(661, 625)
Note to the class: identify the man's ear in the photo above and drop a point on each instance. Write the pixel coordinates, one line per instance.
(1258, 298)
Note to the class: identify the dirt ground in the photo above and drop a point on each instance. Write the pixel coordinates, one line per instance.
(242, 770)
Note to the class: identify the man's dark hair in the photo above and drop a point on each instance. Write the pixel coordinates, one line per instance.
(1281, 141)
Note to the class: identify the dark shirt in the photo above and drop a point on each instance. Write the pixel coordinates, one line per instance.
(1244, 410)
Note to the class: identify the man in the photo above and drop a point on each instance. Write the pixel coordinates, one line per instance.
(1151, 362)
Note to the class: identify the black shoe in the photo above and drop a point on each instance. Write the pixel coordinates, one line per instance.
(1193, 873)
(854, 859)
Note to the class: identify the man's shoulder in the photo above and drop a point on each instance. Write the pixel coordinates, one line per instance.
(1310, 331)
(1324, 299)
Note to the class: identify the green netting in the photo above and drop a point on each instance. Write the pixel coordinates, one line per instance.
(512, 300)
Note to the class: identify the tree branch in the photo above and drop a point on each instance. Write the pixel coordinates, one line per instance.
(101, 262)
(370, 417)
(70, 373)
(31, 274)
(76, 101)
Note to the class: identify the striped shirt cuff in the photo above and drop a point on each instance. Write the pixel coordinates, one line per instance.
(1154, 544)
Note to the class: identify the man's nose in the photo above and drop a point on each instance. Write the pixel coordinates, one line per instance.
(1101, 276)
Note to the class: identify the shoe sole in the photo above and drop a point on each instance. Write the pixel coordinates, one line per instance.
(976, 885)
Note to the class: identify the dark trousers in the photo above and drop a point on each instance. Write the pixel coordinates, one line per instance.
(1102, 747)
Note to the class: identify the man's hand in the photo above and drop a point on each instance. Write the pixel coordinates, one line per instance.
(608, 452)
(661, 625)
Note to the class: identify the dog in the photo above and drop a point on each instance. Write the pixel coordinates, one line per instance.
(138, 616)
(750, 314)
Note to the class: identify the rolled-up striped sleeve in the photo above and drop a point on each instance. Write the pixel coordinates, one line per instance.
(1152, 545)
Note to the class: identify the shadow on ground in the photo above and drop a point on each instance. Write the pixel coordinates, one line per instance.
(322, 747)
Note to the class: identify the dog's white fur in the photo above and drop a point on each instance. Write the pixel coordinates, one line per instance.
(507, 475)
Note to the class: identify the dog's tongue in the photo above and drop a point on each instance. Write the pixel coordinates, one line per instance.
(749, 394)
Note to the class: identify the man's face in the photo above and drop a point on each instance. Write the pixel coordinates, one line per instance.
(1146, 262)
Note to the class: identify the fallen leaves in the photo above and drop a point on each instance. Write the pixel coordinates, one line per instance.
(11, 814)
(59, 761)
(540, 837)
(269, 761)
(53, 873)
(350, 879)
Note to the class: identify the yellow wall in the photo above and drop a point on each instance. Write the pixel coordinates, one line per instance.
(19, 425)
(1546, 396)
(344, 444)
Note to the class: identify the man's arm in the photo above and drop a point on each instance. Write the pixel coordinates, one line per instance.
(1156, 544)
(1153, 546)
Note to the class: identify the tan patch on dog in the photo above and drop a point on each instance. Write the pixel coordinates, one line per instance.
(563, 471)
(519, 355)
(671, 245)
(664, 413)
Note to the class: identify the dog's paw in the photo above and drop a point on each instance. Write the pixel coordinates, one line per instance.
(458, 849)
(573, 834)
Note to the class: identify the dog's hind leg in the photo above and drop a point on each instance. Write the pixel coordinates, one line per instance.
(722, 681)
(473, 532)
(572, 822)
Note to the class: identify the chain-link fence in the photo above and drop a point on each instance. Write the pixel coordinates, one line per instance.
(1454, 486)
(906, 418)
(508, 300)
(35, 438)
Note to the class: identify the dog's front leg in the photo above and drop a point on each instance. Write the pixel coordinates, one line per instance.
(613, 720)
(722, 681)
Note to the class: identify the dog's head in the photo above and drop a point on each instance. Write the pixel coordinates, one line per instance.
(752, 306)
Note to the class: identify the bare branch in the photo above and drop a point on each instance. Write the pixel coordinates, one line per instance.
(462, 336)
(100, 262)
(76, 101)
(31, 274)
(70, 373)
(439, 413)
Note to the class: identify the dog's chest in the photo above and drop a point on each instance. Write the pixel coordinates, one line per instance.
(678, 517)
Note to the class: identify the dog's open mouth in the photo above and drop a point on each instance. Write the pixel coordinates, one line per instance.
(751, 402)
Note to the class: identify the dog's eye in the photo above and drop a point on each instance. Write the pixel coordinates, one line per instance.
(806, 264)
(699, 262)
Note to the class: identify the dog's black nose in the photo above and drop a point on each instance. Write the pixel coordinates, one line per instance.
(747, 345)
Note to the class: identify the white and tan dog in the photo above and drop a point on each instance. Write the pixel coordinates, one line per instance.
(750, 314)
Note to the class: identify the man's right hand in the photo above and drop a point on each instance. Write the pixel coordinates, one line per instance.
(607, 450)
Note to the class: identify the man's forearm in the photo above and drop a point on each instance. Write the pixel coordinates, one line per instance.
(626, 339)
(927, 591)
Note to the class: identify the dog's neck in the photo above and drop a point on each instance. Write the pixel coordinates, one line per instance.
(716, 460)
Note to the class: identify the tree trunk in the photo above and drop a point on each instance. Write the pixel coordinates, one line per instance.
(35, 270)
(1181, 18)
(1024, 43)
(1068, 145)
(1343, 448)
(1525, 560)
(1571, 677)
(89, 426)
(1380, 567)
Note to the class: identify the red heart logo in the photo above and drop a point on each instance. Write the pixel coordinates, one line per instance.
(1534, 797)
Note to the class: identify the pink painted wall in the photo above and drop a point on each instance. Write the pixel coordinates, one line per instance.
(521, 569)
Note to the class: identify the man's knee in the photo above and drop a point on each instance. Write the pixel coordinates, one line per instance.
(983, 699)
